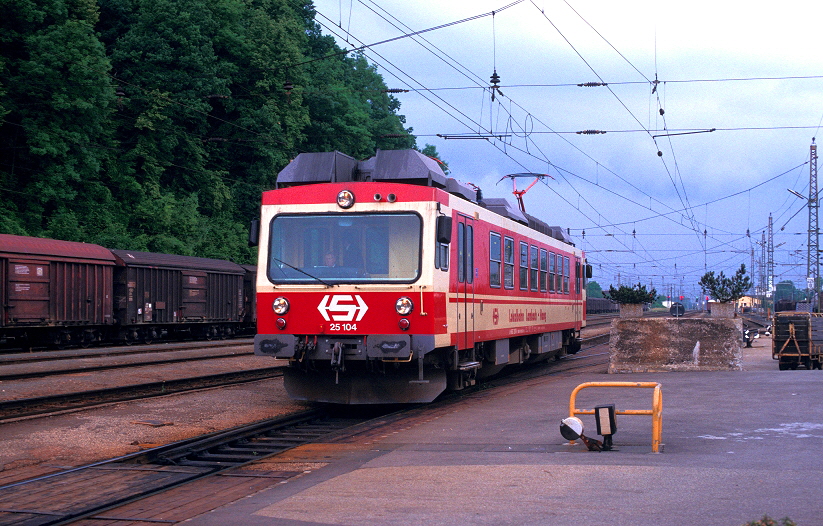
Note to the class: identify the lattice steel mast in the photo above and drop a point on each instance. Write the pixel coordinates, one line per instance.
(813, 259)
(770, 261)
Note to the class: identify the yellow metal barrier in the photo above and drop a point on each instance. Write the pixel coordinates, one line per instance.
(656, 412)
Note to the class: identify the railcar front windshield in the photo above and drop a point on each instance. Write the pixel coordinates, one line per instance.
(345, 248)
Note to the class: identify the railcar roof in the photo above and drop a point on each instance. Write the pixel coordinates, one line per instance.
(131, 258)
(24, 246)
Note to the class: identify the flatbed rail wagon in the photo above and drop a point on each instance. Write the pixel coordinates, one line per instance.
(797, 339)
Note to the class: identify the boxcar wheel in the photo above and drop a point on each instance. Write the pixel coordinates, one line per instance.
(131, 337)
(149, 335)
(87, 338)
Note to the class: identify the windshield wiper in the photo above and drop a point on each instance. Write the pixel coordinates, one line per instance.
(301, 271)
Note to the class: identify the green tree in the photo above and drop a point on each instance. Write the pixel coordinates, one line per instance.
(634, 294)
(593, 290)
(205, 120)
(725, 289)
(349, 105)
(56, 102)
(431, 151)
(157, 124)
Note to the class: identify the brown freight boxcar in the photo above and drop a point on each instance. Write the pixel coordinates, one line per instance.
(249, 324)
(54, 292)
(160, 295)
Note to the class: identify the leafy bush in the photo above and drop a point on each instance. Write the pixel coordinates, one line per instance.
(725, 289)
(635, 294)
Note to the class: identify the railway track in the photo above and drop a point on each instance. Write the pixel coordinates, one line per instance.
(116, 350)
(41, 405)
(104, 490)
(20, 370)
(56, 403)
(75, 494)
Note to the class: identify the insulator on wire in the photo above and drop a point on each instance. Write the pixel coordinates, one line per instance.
(590, 132)
(593, 84)
(495, 80)
(396, 90)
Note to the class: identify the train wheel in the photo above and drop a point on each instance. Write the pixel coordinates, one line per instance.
(62, 340)
(87, 338)
(131, 337)
(807, 363)
(783, 365)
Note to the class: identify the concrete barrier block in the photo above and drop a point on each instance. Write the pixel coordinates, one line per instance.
(641, 345)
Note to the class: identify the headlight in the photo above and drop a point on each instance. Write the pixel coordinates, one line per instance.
(404, 306)
(280, 306)
(345, 199)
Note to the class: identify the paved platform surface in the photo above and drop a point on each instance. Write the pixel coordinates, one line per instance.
(738, 446)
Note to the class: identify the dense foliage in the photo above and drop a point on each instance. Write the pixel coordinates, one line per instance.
(156, 124)
(725, 289)
(636, 294)
(593, 290)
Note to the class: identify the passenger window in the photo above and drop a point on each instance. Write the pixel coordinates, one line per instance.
(552, 271)
(544, 268)
(533, 266)
(494, 259)
(508, 263)
(524, 266)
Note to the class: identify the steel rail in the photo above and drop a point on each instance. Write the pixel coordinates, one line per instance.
(286, 432)
(92, 368)
(69, 401)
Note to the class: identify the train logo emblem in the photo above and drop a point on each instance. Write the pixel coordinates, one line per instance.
(495, 316)
(343, 307)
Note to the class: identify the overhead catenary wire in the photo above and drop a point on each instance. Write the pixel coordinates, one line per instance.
(512, 149)
(509, 146)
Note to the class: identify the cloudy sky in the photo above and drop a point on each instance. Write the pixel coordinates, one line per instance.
(660, 198)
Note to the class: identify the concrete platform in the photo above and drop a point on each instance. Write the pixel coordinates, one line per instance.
(738, 445)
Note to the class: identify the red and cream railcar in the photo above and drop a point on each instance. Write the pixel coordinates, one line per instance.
(383, 281)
